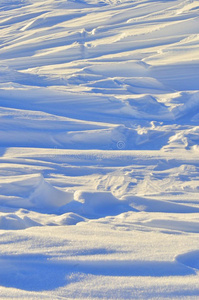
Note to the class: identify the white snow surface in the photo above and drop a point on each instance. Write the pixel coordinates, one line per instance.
(99, 149)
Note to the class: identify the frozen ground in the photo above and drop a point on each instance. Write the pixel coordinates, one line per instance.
(99, 156)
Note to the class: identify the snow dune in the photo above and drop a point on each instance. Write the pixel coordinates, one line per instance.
(99, 144)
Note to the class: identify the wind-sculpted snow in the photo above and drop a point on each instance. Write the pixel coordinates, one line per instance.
(99, 145)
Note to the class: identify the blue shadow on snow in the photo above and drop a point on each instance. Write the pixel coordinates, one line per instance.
(39, 272)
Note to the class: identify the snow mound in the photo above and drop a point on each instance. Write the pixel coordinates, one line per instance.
(33, 192)
(22, 219)
(14, 222)
(48, 197)
(96, 204)
(68, 219)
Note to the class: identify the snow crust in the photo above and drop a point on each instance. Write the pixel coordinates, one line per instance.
(99, 149)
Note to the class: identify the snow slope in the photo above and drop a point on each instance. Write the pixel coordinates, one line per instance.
(99, 149)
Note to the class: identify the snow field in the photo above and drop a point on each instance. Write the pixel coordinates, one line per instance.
(99, 149)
